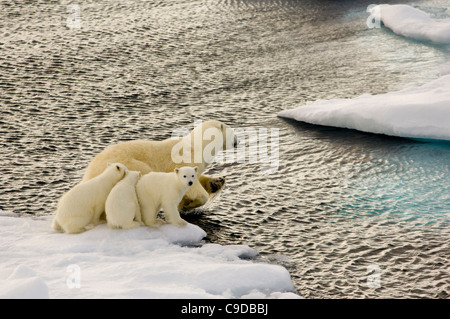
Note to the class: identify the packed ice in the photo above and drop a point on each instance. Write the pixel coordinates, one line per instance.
(169, 262)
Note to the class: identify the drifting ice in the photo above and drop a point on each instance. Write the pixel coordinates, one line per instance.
(418, 113)
(412, 23)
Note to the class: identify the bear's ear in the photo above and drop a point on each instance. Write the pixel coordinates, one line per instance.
(176, 170)
(196, 169)
(118, 168)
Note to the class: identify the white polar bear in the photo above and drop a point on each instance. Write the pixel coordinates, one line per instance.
(84, 204)
(196, 149)
(122, 206)
(158, 190)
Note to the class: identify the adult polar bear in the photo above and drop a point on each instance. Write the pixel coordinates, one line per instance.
(196, 149)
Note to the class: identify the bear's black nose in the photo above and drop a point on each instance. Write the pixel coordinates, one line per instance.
(190, 183)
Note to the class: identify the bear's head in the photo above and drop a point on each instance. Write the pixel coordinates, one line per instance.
(230, 140)
(217, 137)
(186, 175)
(117, 170)
(203, 143)
(215, 129)
(133, 176)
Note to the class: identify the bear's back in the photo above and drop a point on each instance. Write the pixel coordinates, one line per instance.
(158, 182)
(159, 177)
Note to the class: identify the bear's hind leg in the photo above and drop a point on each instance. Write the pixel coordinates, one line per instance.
(96, 214)
(138, 215)
(56, 226)
(74, 228)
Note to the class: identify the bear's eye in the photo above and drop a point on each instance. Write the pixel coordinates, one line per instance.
(184, 176)
(192, 175)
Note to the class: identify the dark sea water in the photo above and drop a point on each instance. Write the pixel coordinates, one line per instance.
(349, 214)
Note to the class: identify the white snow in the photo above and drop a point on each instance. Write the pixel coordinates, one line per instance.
(170, 262)
(419, 113)
(413, 23)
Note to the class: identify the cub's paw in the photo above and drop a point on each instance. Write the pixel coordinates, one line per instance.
(179, 223)
(156, 223)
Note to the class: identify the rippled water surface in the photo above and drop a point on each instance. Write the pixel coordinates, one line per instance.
(350, 215)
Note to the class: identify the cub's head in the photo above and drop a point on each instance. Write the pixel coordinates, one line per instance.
(186, 175)
(117, 170)
(133, 176)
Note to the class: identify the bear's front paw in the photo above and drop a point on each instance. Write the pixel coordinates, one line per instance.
(156, 223)
(216, 184)
(179, 223)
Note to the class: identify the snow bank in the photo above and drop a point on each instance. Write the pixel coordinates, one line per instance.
(413, 23)
(419, 113)
(37, 262)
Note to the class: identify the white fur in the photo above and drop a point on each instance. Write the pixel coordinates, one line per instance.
(158, 190)
(157, 156)
(122, 206)
(84, 203)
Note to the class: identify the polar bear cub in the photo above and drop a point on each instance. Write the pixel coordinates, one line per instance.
(122, 206)
(157, 190)
(84, 203)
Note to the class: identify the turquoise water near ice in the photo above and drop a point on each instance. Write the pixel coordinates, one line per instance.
(412, 181)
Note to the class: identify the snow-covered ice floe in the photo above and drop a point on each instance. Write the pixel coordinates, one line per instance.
(413, 23)
(170, 262)
(420, 113)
